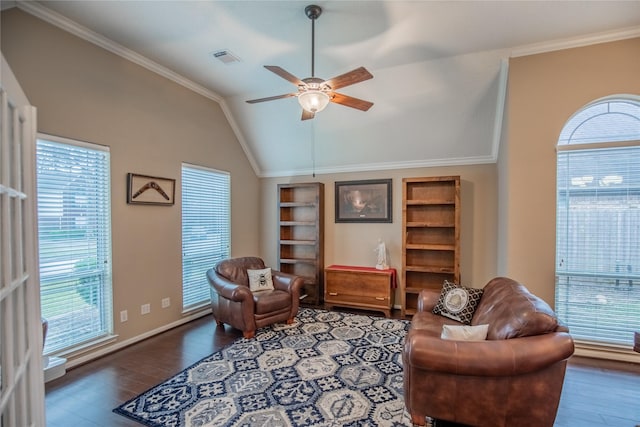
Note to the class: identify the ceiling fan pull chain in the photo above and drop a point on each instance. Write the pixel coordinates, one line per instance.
(313, 148)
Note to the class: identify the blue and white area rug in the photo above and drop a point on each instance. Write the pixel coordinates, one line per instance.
(327, 369)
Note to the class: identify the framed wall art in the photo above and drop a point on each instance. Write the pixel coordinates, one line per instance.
(363, 201)
(150, 190)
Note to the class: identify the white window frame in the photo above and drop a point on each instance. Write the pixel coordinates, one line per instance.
(594, 295)
(206, 230)
(75, 278)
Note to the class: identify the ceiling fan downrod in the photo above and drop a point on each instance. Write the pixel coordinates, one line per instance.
(313, 12)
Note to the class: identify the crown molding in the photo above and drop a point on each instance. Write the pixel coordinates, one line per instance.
(367, 167)
(241, 140)
(501, 100)
(573, 42)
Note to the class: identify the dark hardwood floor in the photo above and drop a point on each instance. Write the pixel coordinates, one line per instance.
(596, 393)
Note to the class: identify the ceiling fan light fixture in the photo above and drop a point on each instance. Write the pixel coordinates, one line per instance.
(314, 94)
(313, 100)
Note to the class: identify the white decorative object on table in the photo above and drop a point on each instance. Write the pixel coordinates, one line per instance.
(381, 254)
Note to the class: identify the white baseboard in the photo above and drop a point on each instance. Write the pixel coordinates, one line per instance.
(607, 353)
(54, 367)
(102, 351)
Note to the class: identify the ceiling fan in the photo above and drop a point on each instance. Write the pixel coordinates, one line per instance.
(314, 94)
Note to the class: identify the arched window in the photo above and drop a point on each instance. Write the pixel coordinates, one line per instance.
(598, 222)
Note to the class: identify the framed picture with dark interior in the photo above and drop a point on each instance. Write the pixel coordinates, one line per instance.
(363, 201)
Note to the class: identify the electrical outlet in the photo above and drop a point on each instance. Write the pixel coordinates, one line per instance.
(145, 309)
(124, 316)
(166, 302)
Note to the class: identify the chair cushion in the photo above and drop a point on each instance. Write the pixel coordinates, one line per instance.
(431, 324)
(271, 301)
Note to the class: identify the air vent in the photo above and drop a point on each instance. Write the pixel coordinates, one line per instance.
(225, 56)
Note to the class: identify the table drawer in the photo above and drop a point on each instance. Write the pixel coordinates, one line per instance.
(357, 299)
(359, 288)
(357, 284)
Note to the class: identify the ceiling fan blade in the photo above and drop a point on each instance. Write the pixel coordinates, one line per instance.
(352, 77)
(306, 115)
(349, 101)
(271, 98)
(284, 74)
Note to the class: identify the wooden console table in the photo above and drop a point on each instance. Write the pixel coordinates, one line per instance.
(360, 287)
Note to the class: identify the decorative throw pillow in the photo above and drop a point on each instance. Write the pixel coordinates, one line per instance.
(457, 302)
(464, 332)
(260, 280)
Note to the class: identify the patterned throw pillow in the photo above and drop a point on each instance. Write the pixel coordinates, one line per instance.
(260, 280)
(457, 302)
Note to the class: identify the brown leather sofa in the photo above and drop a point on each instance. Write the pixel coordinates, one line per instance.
(233, 303)
(513, 379)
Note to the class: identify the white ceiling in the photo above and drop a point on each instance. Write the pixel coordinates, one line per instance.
(437, 85)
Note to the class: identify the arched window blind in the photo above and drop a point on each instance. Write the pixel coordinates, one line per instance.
(74, 236)
(206, 230)
(598, 223)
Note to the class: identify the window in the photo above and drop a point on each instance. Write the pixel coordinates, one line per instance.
(74, 229)
(598, 223)
(205, 230)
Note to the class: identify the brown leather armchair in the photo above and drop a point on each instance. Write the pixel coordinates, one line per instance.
(514, 378)
(232, 301)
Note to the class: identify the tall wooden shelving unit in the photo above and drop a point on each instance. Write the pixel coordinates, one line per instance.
(301, 236)
(431, 236)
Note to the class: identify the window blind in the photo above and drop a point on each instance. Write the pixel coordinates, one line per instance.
(74, 227)
(598, 225)
(206, 230)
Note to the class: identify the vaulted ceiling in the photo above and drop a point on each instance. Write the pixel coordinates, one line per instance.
(439, 67)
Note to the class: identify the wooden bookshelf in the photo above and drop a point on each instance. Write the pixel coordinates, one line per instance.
(431, 236)
(301, 236)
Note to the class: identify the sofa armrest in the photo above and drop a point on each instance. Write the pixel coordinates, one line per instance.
(427, 299)
(228, 289)
(486, 358)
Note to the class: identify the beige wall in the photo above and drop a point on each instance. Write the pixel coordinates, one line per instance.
(544, 91)
(354, 244)
(151, 126)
